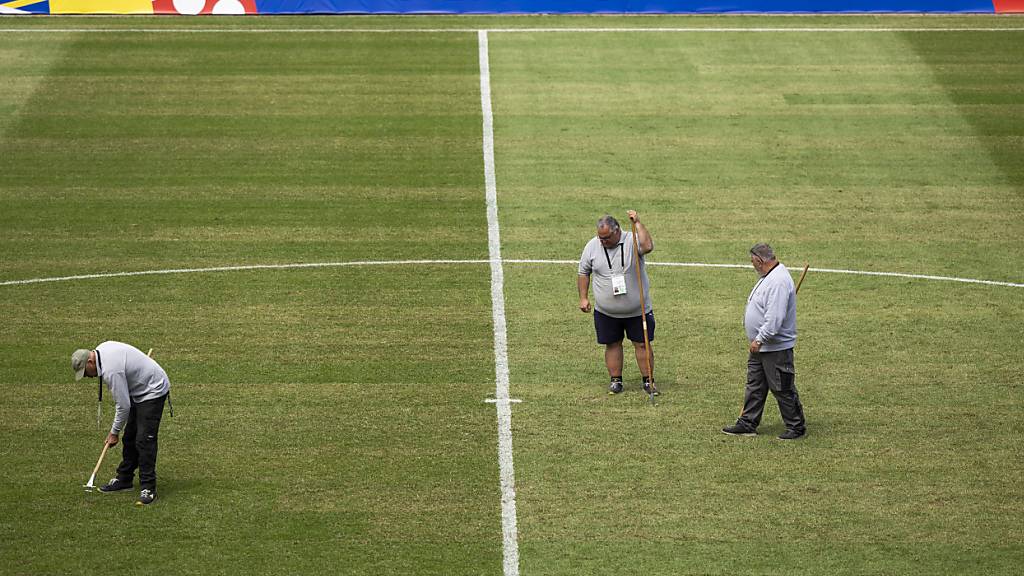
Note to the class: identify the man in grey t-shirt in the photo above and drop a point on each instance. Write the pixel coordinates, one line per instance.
(608, 260)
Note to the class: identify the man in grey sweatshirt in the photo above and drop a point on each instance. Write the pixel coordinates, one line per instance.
(770, 322)
(140, 387)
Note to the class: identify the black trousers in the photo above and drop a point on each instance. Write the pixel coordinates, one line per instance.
(772, 371)
(139, 442)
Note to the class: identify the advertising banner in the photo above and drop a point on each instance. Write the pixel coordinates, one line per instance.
(241, 7)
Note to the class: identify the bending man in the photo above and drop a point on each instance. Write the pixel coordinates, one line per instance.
(140, 387)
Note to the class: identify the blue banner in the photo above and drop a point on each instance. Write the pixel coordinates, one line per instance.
(240, 7)
(613, 6)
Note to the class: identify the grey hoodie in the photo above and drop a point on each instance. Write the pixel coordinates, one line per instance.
(771, 311)
(131, 376)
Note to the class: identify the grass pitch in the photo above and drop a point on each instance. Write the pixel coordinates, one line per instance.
(332, 419)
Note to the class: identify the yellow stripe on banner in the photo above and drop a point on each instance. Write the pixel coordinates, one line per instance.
(20, 3)
(101, 6)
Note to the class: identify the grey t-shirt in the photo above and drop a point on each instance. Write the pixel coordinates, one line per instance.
(600, 264)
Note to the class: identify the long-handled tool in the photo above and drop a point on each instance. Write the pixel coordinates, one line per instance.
(89, 486)
(643, 313)
(802, 274)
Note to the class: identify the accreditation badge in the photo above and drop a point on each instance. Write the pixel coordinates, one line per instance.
(618, 284)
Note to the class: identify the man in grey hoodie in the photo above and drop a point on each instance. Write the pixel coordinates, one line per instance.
(140, 387)
(770, 322)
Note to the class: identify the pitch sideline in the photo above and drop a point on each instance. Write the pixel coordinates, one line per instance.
(716, 30)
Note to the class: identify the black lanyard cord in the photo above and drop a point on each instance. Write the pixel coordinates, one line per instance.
(99, 377)
(622, 257)
(751, 297)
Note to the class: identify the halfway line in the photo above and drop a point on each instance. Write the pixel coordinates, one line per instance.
(509, 532)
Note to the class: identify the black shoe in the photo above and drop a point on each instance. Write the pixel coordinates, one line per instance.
(792, 435)
(647, 389)
(116, 485)
(615, 387)
(739, 430)
(146, 497)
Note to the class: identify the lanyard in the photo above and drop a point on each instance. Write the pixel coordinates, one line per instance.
(99, 377)
(751, 297)
(622, 258)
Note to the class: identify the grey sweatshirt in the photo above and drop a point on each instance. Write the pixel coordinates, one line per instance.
(771, 311)
(131, 376)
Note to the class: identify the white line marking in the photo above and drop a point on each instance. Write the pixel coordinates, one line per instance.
(504, 261)
(506, 400)
(509, 532)
(857, 273)
(917, 277)
(824, 270)
(476, 30)
(755, 30)
(240, 268)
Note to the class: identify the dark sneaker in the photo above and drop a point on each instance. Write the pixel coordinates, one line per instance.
(116, 485)
(615, 388)
(792, 435)
(739, 430)
(146, 497)
(647, 389)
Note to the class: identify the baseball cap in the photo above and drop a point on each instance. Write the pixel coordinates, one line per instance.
(78, 361)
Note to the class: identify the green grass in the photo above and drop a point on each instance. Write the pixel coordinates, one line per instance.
(333, 419)
(240, 152)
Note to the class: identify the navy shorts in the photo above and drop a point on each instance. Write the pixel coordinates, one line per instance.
(610, 329)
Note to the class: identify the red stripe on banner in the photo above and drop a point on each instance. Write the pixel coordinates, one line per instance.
(1008, 6)
(193, 7)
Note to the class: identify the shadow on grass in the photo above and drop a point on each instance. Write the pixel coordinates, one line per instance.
(983, 74)
(173, 486)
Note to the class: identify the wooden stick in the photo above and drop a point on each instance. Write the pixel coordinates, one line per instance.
(98, 462)
(804, 273)
(643, 309)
